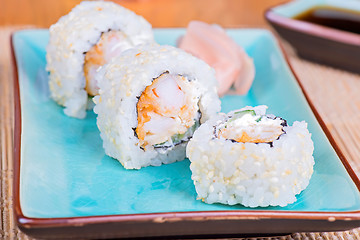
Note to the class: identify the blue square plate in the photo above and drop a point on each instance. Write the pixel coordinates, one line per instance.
(65, 185)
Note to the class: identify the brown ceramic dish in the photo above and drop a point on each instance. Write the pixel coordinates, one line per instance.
(315, 209)
(315, 41)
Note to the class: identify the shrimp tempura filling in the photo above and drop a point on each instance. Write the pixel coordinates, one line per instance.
(111, 44)
(166, 108)
(246, 126)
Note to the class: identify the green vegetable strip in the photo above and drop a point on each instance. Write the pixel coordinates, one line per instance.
(240, 114)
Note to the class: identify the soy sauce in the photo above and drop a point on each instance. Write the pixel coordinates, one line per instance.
(332, 17)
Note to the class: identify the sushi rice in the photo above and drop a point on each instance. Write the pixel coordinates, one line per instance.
(77, 33)
(250, 158)
(151, 100)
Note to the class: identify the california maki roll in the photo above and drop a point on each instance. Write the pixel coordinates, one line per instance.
(84, 40)
(150, 102)
(251, 158)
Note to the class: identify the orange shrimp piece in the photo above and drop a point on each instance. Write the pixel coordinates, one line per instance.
(153, 103)
(111, 44)
(94, 57)
(245, 137)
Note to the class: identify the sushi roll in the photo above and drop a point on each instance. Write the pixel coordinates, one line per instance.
(248, 157)
(83, 41)
(151, 100)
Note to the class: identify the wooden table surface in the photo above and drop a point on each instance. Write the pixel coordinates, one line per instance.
(160, 13)
(331, 90)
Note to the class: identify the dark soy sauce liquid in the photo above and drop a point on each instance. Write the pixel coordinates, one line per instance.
(332, 17)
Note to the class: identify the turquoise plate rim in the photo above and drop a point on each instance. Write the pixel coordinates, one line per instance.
(73, 226)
